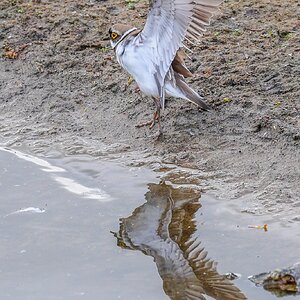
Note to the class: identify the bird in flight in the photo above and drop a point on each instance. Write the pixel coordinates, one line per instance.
(154, 56)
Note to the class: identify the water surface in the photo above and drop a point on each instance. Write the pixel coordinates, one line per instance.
(78, 227)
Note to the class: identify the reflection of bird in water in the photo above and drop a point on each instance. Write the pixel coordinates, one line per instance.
(163, 228)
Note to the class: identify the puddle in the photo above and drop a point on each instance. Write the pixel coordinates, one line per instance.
(77, 227)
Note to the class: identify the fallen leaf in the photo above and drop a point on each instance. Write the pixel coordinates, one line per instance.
(11, 54)
(130, 81)
(207, 72)
(227, 100)
(264, 227)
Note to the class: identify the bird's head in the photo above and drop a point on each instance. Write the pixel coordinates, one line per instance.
(118, 32)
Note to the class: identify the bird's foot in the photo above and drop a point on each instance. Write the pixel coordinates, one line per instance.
(149, 123)
(156, 118)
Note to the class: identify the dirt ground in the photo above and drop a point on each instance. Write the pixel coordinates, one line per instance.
(61, 88)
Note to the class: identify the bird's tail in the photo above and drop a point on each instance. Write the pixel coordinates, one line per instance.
(189, 93)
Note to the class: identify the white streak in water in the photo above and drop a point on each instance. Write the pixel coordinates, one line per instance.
(47, 167)
(27, 210)
(68, 183)
(84, 191)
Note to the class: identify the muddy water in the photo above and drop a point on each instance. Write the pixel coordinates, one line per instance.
(77, 227)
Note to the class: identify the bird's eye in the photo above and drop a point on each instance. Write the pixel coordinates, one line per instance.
(114, 35)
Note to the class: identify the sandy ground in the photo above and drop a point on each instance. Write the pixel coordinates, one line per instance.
(61, 88)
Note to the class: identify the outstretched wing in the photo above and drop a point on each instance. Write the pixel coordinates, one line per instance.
(169, 22)
(215, 285)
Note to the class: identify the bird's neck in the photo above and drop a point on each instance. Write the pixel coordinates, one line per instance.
(126, 34)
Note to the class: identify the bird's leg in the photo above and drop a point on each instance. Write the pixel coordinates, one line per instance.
(155, 118)
(157, 102)
(151, 123)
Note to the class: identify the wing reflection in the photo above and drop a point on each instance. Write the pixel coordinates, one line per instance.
(163, 228)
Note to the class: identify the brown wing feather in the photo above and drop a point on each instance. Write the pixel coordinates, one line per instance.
(189, 93)
(179, 66)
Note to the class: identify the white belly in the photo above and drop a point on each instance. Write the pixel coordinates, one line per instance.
(135, 62)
